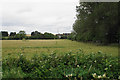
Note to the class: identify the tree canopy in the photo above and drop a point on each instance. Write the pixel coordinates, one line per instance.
(12, 33)
(97, 21)
(4, 33)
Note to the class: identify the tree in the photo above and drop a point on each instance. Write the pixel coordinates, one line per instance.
(20, 35)
(72, 36)
(12, 33)
(22, 32)
(48, 35)
(97, 22)
(4, 33)
(37, 35)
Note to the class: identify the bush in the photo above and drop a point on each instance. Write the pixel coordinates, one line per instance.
(68, 65)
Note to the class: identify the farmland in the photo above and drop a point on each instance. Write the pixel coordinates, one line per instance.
(31, 47)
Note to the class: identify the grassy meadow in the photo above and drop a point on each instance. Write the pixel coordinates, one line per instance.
(61, 59)
(31, 47)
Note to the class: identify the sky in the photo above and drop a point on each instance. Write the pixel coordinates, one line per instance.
(54, 16)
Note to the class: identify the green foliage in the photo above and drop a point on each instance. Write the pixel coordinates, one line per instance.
(48, 35)
(5, 38)
(38, 35)
(0, 67)
(68, 65)
(97, 22)
(72, 36)
(18, 36)
(22, 35)
(12, 33)
(4, 33)
(56, 37)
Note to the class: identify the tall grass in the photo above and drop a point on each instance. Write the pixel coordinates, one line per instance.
(70, 65)
(47, 46)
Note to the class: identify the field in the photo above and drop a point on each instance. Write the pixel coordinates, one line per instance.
(31, 47)
(59, 59)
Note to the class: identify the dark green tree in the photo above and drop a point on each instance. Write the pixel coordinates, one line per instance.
(12, 33)
(48, 35)
(4, 33)
(37, 35)
(20, 35)
(97, 22)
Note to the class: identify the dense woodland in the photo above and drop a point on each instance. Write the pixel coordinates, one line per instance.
(97, 22)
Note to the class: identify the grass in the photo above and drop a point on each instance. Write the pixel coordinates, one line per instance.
(31, 47)
(59, 59)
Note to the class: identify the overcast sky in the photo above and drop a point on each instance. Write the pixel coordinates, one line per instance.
(55, 16)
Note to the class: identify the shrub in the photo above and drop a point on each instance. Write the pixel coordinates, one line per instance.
(68, 65)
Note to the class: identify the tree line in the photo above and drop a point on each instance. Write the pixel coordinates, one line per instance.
(96, 22)
(22, 35)
(34, 35)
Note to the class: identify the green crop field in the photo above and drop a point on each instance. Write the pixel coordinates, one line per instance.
(31, 47)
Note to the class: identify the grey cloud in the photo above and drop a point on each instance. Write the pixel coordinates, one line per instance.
(24, 10)
(45, 16)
